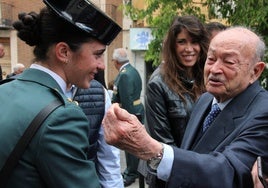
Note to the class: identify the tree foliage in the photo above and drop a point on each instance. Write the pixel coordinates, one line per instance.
(249, 13)
(159, 13)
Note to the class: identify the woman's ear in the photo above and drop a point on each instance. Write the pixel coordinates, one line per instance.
(62, 51)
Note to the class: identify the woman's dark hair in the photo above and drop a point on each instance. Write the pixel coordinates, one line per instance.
(173, 71)
(45, 29)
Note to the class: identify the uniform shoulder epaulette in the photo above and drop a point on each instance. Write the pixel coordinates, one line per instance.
(63, 98)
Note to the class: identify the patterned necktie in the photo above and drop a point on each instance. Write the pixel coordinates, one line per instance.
(215, 110)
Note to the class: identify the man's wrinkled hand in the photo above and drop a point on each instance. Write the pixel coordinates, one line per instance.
(125, 131)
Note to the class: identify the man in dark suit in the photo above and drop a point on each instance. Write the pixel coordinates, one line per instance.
(127, 92)
(223, 154)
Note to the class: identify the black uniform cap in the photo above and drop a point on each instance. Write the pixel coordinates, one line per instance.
(86, 16)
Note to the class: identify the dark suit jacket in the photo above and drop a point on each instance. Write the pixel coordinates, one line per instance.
(57, 155)
(224, 155)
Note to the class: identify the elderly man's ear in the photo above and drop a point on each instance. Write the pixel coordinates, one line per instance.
(257, 71)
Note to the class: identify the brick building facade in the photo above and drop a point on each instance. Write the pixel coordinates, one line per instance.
(17, 51)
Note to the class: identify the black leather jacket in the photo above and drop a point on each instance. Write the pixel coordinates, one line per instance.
(166, 113)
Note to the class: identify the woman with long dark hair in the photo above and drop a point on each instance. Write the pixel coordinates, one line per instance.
(177, 82)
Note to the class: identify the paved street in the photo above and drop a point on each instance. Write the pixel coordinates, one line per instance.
(123, 166)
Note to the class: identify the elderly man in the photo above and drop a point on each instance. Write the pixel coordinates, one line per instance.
(222, 153)
(127, 91)
(17, 69)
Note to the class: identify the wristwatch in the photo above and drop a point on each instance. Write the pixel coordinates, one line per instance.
(154, 161)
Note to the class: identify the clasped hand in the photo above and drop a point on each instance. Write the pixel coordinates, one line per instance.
(125, 131)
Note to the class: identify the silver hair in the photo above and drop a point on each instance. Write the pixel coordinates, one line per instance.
(18, 66)
(120, 55)
(260, 50)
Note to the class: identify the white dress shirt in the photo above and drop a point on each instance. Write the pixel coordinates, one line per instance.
(108, 165)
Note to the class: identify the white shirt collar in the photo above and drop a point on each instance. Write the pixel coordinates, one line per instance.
(123, 66)
(55, 76)
(221, 105)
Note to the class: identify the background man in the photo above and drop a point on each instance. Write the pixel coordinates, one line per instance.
(126, 92)
(17, 69)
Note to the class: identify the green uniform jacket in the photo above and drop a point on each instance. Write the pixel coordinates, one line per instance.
(127, 90)
(56, 157)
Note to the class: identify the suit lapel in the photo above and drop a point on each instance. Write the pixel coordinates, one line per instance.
(225, 124)
(199, 111)
(217, 132)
